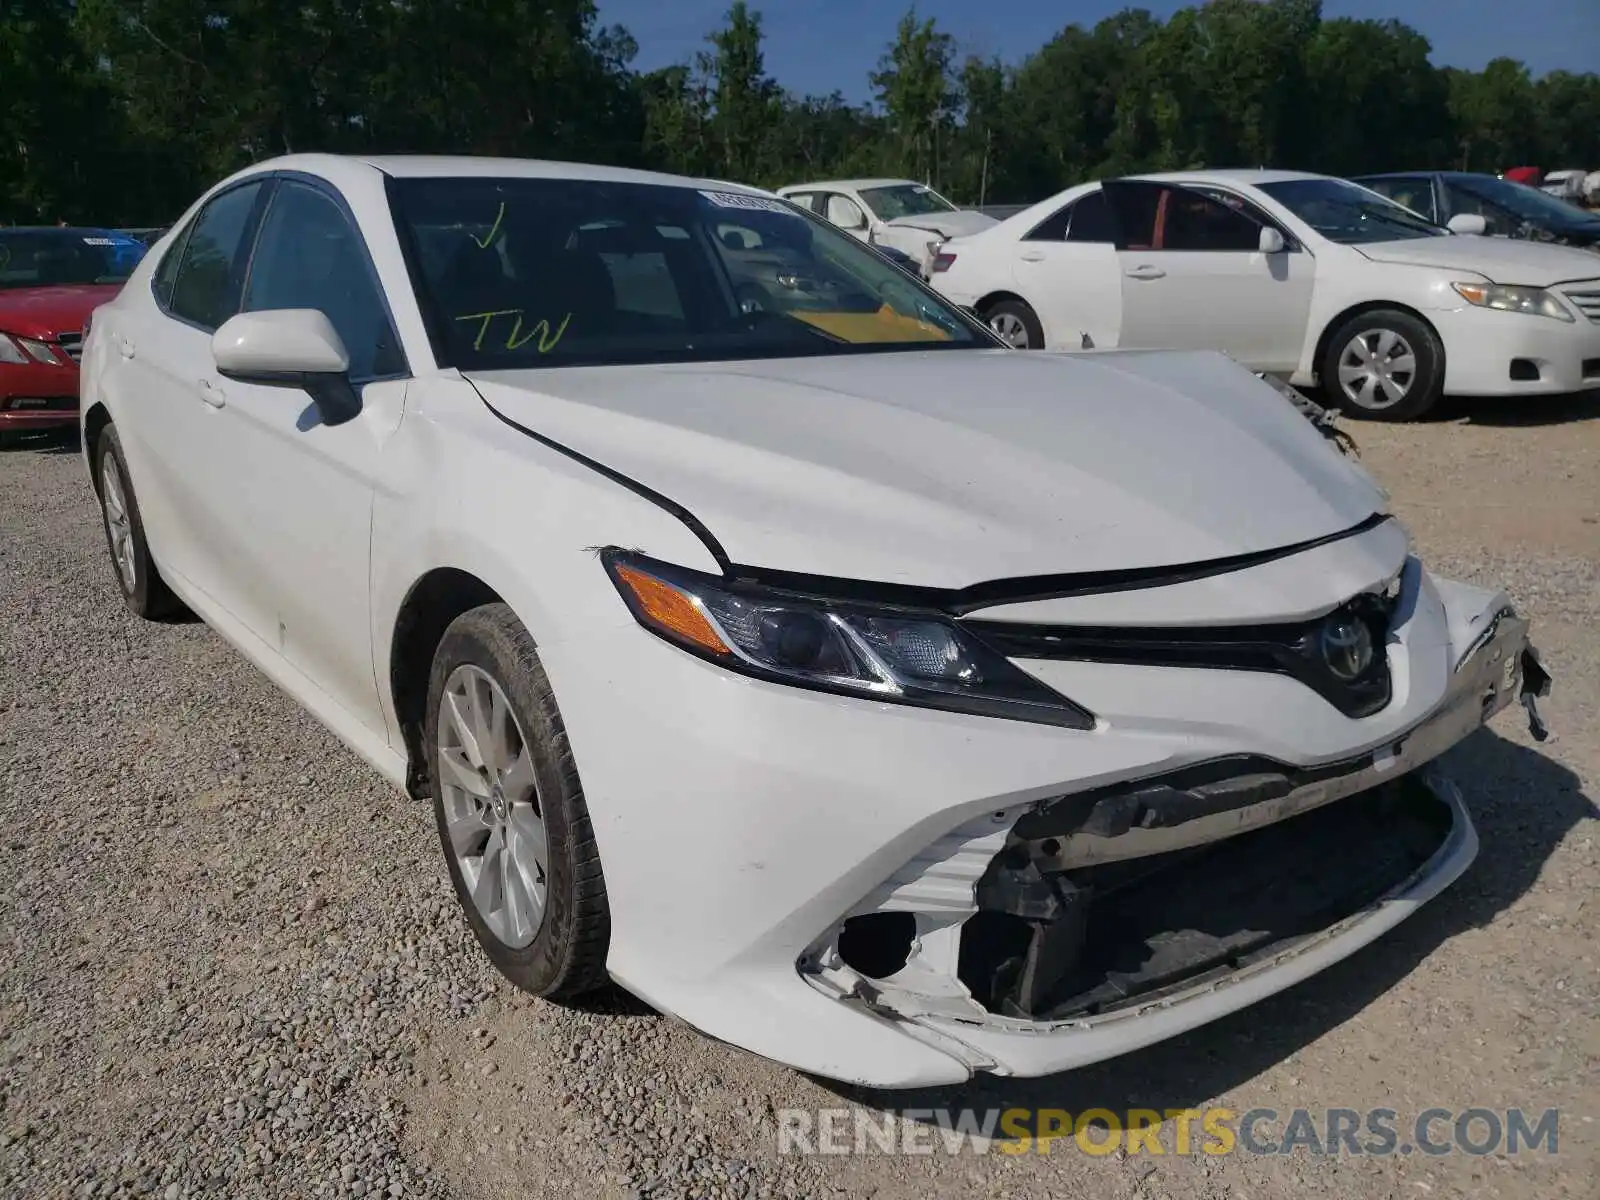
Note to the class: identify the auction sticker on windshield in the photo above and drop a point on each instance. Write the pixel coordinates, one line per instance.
(752, 203)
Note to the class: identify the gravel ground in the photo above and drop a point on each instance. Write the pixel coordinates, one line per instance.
(234, 967)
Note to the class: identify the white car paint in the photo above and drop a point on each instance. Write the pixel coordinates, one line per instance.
(741, 820)
(851, 205)
(1271, 311)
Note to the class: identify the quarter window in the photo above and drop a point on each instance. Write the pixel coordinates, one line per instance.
(211, 273)
(310, 256)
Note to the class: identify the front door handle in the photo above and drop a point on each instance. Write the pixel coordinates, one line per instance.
(1145, 271)
(124, 347)
(1031, 256)
(212, 394)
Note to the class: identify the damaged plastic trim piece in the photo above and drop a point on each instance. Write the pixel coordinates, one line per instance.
(905, 953)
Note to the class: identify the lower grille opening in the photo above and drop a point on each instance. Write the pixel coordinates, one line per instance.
(1076, 943)
(1591, 368)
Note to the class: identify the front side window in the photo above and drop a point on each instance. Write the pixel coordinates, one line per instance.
(1486, 195)
(310, 256)
(561, 272)
(1348, 213)
(211, 273)
(905, 200)
(31, 258)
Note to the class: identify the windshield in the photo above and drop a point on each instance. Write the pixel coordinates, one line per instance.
(905, 200)
(1346, 212)
(58, 257)
(1520, 200)
(558, 272)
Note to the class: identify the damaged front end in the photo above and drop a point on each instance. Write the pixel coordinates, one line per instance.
(1133, 897)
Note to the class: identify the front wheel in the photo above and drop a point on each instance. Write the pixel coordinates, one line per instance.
(1385, 365)
(511, 814)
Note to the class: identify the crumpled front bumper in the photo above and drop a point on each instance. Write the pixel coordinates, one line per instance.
(741, 824)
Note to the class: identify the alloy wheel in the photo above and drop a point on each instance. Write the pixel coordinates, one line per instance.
(1377, 369)
(493, 816)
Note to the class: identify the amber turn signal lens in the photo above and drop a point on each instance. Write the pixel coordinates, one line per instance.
(670, 611)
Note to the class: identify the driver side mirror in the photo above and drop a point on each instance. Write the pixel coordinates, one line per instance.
(1271, 241)
(1467, 223)
(293, 348)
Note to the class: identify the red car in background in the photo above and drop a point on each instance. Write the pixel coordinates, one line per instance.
(51, 279)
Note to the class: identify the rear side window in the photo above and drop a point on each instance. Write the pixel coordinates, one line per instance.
(1415, 194)
(1091, 220)
(211, 273)
(309, 255)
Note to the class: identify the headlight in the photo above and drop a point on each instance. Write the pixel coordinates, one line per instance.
(39, 351)
(906, 656)
(1510, 297)
(10, 352)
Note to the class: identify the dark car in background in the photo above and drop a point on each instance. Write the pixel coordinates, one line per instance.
(1509, 209)
(51, 280)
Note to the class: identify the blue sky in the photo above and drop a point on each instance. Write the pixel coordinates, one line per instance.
(820, 45)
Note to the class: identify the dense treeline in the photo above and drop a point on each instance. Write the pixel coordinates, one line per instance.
(122, 110)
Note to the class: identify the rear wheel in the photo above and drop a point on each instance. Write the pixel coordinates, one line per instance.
(1016, 324)
(512, 819)
(143, 590)
(1385, 365)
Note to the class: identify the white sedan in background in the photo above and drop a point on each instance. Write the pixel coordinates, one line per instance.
(1315, 279)
(908, 217)
(858, 690)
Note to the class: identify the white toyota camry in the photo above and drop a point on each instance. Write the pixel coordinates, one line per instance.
(1314, 279)
(769, 638)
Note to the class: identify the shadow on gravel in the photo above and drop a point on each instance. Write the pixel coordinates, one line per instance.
(1522, 804)
(1527, 410)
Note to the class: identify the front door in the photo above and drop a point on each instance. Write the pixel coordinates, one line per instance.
(302, 489)
(1193, 276)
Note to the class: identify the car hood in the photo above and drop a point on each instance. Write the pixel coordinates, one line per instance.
(48, 312)
(950, 468)
(947, 224)
(1502, 260)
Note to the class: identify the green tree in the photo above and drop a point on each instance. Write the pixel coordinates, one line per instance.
(914, 85)
(745, 102)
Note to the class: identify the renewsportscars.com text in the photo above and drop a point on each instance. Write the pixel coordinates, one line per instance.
(1378, 1132)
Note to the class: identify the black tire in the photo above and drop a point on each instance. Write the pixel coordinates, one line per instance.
(1423, 385)
(146, 594)
(567, 956)
(1019, 311)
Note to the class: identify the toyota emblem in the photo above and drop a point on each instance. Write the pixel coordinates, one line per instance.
(1346, 644)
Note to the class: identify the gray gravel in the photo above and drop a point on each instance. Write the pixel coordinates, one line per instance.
(234, 968)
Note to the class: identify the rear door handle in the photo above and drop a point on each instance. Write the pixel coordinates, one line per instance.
(1031, 256)
(124, 347)
(1145, 272)
(212, 394)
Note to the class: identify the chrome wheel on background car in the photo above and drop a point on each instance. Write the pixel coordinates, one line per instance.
(1010, 328)
(492, 812)
(1377, 369)
(1015, 323)
(1384, 364)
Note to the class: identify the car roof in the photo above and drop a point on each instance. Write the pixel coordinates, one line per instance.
(851, 184)
(1250, 176)
(433, 166)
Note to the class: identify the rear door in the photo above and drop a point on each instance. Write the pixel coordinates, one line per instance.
(168, 384)
(1193, 276)
(1066, 269)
